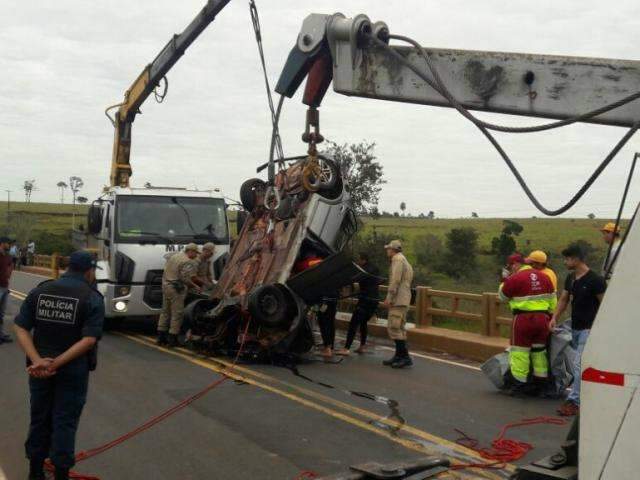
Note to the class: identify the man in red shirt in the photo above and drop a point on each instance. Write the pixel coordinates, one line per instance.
(532, 299)
(6, 267)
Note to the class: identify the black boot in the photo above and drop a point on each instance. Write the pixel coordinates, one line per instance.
(36, 470)
(172, 341)
(402, 362)
(390, 361)
(62, 474)
(396, 356)
(162, 338)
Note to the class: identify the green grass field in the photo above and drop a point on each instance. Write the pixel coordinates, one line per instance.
(549, 234)
(48, 224)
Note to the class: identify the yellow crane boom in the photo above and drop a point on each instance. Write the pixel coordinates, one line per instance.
(145, 84)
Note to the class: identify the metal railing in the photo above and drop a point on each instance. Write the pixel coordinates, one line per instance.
(54, 262)
(484, 312)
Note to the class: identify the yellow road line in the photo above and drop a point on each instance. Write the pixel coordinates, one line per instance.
(337, 403)
(18, 295)
(228, 369)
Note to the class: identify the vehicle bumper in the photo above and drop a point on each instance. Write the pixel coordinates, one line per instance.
(131, 305)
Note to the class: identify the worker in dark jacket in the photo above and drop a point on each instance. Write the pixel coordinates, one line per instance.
(368, 299)
(58, 327)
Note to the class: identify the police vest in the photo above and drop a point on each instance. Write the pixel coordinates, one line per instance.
(59, 315)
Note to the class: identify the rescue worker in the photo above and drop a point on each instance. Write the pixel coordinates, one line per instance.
(179, 275)
(538, 260)
(6, 269)
(204, 277)
(66, 317)
(585, 289)
(398, 300)
(368, 299)
(611, 236)
(515, 262)
(532, 298)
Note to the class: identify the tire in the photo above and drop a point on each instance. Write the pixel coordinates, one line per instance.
(333, 192)
(270, 306)
(248, 192)
(195, 309)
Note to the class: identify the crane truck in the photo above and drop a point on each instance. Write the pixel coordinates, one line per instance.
(133, 229)
(354, 55)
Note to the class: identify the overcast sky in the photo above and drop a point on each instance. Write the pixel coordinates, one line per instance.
(63, 62)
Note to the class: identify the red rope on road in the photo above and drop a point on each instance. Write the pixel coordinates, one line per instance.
(504, 450)
(306, 474)
(86, 454)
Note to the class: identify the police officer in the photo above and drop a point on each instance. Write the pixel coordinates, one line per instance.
(179, 275)
(58, 327)
(398, 301)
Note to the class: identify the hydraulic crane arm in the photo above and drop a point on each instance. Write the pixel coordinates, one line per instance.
(354, 55)
(145, 84)
(332, 47)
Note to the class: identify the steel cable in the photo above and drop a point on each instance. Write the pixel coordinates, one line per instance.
(441, 88)
(484, 127)
(255, 21)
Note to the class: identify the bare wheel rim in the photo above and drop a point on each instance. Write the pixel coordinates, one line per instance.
(326, 172)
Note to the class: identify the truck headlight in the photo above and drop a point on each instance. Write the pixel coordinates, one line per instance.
(120, 306)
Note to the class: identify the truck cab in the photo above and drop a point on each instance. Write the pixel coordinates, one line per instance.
(134, 230)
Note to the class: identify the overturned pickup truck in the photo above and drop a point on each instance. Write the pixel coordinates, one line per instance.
(287, 257)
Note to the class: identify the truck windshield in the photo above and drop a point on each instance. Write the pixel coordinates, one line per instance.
(160, 219)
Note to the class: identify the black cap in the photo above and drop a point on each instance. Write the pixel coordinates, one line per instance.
(82, 261)
(5, 240)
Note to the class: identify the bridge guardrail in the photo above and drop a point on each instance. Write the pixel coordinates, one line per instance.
(484, 310)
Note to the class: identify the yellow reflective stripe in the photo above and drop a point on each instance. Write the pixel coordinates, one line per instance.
(542, 296)
(540, 363)
(519, 364)
(529, 306)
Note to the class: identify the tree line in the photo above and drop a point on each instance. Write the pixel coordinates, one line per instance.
(75, 185)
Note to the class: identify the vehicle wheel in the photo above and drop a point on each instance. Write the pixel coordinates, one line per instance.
(333, 192)
(324, 179)
(194, 311)
(269, 305)
(248, 191)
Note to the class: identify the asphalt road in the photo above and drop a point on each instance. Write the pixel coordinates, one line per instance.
(266, 422)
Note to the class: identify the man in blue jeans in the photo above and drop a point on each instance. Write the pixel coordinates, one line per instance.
(58, 326)
(585, 289)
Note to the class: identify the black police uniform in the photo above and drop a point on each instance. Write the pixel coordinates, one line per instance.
(60, 313)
